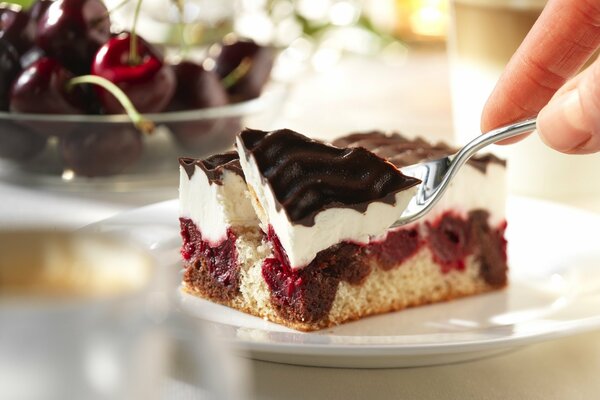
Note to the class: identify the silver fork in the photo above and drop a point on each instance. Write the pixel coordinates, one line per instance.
(437, 174)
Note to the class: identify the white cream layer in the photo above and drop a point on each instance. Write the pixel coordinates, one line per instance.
(472, 189)
(332, 226)
(213, 207)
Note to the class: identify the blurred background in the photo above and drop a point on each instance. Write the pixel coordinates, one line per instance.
(421, 67)
(382, 64)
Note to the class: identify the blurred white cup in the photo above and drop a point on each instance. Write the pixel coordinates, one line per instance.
(86, 316)
(484, 35)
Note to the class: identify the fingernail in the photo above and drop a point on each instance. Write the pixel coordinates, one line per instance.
(561, 124)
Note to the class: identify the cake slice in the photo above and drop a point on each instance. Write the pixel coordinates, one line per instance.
(215, 211)
(303, 236)
(310, 196)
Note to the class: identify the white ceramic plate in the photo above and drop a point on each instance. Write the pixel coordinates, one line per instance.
(554, 256)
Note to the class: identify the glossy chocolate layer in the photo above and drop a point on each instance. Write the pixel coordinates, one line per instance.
(402, 151)
(307, 176)
(214, 166)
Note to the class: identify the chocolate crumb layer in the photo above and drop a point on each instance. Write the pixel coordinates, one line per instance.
(214, 166)
(402, 151)
(308, 176)
(307, 295)
(489, 246)
(303, 298)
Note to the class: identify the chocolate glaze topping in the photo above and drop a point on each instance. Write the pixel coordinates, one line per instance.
(402, 151)
(214, 166)
(307, 176)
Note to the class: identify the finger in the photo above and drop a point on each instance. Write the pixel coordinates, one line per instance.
(570, 123)
(566, 88)
(569, 85)
(561, 41)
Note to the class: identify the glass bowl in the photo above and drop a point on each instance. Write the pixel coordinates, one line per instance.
(45, 150)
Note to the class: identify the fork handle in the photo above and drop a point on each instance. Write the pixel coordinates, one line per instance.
(469, 150)
(496, 135)
(460, 158)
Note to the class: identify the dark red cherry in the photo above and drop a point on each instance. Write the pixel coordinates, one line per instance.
(16, 27)
(254, 64)
(31, 56)
(38, 9)
(72, 31)
(101, 149)
(448, 240)
(197, 88)
(148, 82)
(42, 88)
(202, 137)
(9, 70)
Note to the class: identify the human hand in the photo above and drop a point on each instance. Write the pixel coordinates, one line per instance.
(539, 79)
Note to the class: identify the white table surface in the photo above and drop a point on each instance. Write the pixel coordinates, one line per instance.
(385, 97)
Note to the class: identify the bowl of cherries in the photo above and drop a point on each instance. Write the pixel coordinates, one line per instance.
(82, 103)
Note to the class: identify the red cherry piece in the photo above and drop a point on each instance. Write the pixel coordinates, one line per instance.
(72, 31)
(449, 241)
(9, 69)
(16, 27)
(42, 88)
(149, 84)
(399, 245)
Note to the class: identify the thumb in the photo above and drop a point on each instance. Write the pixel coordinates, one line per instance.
(570, 122)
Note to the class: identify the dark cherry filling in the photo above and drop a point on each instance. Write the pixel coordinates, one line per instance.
(307, 294)
(190, 237)
(489, 246)
(449, 241)
(453, 238)
(214, 270)
(398, 247)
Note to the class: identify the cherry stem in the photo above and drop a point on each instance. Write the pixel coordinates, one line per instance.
(142, 124)
(183, 46)
(237, 74)
(134, 57)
